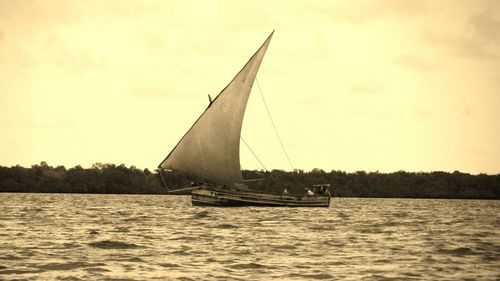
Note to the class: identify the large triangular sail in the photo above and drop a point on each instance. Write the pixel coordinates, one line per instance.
(210, 149)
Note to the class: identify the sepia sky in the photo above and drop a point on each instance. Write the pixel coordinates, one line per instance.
(351, 85)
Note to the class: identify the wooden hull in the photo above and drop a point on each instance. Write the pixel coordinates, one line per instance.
(208, 196)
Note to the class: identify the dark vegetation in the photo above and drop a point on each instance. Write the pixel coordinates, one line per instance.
(119, 179)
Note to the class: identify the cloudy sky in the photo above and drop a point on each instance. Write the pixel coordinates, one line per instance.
(352, 85)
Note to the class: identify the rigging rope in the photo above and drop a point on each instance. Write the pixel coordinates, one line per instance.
(274, 126)
(254, 155)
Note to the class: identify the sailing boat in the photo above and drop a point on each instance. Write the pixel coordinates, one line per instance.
(210, 150)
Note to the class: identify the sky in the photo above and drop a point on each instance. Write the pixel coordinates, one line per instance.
(351, 85)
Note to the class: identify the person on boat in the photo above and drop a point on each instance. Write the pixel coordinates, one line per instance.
(309, 192)
(327, 192)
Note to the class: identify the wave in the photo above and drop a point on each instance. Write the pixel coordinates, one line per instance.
(10, 257)
(132, 259)
(201, 215)
(121, 229)
(169, 265)
(461, 251)
(226, 226)
(66, 266)
(251, 265)
(311, 276)
(138, 218)
(110, 244)
(19, 271)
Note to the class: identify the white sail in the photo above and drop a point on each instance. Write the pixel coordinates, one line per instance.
(210, 149)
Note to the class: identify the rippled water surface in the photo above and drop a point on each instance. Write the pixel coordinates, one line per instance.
(136, 237)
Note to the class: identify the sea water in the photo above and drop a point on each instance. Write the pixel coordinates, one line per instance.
(147, 237)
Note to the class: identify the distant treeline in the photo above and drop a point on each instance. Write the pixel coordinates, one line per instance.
(119, 179)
